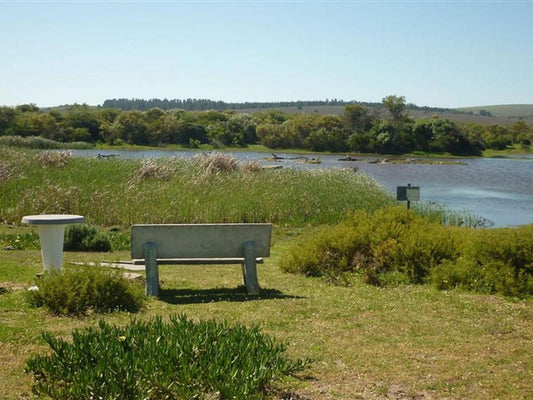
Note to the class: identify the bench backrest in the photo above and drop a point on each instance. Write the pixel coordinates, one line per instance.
(200, 240)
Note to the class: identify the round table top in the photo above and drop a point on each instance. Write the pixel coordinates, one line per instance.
(52, 219)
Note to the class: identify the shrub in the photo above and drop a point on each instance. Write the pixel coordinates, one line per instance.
(395, 246)
(391, 240)
(180, 359)
(82, 237)
(78, 289)
(120, 241)
(492, 261)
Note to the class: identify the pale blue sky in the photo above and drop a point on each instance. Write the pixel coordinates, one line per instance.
(435, 53)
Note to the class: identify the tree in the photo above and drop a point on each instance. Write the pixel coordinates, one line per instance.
(82, 116)
(7, 116)
(132, 128)
(357, 118)
(519, 131)
(497, 137)
(395, 105)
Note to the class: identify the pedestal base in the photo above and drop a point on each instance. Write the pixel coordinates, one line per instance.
(51, 237)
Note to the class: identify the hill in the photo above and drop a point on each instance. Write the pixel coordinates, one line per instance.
(504, 115)
(503, 110)
(464, 115)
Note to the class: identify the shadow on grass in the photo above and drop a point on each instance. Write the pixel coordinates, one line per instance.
(194, 296)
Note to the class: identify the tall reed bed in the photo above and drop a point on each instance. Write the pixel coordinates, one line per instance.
(122, 192)
(36, 142)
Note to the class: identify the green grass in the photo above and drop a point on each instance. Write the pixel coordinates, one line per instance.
(515, 150)
(367, 342)
(504, 110)
(124, 192)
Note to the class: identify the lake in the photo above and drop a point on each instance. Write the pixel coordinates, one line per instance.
(498, 189)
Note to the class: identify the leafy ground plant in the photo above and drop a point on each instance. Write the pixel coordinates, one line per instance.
(75, 290)
(179, 359)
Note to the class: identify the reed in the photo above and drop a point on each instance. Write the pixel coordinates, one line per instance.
(36, 142)
(122, 192)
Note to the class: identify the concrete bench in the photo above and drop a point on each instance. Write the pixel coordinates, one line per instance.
(190, 244)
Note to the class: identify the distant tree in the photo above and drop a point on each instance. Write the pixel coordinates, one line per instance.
(7, 117)
(28, 108)
(132, 128)
(360, 142)
(82, 116)
(519, 130)
(396, 106)
(357, 118)
(323, 139)
(274, 136)
(153, 114)
(497, 137)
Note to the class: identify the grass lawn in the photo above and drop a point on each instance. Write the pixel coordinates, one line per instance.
(369, 343)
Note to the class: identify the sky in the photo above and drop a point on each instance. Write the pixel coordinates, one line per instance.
(435, 53)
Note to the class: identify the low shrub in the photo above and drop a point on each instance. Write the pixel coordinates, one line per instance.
(119, 240)
(391, 240)
(396, 246)
(492, 261)
(179, 359)
(83, 237)
(75, 290)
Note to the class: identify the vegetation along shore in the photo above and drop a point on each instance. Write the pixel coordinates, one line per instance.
(389, 127)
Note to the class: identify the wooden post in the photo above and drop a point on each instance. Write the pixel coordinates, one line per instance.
(152, 273)
(250, 268)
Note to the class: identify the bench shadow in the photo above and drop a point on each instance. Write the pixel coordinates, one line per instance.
(238, 294)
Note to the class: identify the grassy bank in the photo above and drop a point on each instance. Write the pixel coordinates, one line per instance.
(112, 192)
(367, 342)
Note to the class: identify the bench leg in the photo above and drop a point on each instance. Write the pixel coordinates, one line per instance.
(250, 268)
(152, 272)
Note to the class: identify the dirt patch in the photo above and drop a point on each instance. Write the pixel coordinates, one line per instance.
(6, 287)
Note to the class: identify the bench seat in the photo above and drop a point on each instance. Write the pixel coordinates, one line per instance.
(198, 261)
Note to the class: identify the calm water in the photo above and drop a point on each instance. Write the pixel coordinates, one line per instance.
(500, 190)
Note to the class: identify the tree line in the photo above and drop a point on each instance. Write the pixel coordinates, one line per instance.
(206, 104)
(360, 129)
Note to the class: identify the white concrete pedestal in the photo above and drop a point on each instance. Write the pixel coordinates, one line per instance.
(51, 235)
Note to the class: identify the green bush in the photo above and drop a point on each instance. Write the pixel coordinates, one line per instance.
(82, 237)
(119, 240)
(21, 241)
(77, 289)
(391, 240)
(396, 246)
(492, 261)
(179, 359)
